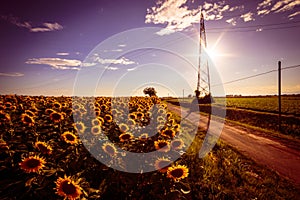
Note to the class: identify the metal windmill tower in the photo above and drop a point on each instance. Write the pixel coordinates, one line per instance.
(203, 83)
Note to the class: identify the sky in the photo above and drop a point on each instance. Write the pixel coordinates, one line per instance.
(107, 48)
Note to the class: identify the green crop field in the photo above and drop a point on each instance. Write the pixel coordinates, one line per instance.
(290, 104)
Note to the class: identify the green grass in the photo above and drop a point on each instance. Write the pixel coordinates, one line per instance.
(290, 105)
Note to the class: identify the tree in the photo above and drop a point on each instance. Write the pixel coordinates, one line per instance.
(150, 91)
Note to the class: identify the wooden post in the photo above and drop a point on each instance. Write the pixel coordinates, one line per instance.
(279, 96)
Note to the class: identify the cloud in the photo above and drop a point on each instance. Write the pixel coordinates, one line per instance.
(45, 27)
(12, 74)
(112, 68)
(231, 21)
(264, 4)
(248, 17)
(269, 6)
(122, 45)
(121, 61)
(56, 63)
(294, 14)
(62, 54)
(176, 16)
(288, 6)
(263, 12)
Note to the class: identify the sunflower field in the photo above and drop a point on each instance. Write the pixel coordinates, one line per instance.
(51, 148)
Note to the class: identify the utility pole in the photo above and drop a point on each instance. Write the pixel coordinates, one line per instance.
(279, 96)
(203, 81)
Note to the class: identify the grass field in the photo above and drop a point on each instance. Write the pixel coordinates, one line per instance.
(290, 104)
(43, 157)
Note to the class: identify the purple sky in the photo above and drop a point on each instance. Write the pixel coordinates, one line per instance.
(44, 43)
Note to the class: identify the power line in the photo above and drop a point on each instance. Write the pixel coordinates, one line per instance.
(253, 26)
(251, 30)
(256, 75)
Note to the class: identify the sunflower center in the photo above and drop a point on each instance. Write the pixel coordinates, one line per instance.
(95, 130)
(27, 119)
(126, 137)
(109, 149)
(70, 137)
(42, 147)
(169, 133)
(56, 116)
(79, 126)
(162, 144)
(177, 173)
(176, 144)
(68, 188)
(32, 163)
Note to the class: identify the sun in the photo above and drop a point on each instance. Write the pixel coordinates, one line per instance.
(212, 53)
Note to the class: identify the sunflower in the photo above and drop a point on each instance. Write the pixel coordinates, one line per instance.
(69, 137)
(101, 119)
(48, 111)
(57, 105)
(109, 148)
(140, 115)
(32, 164)
(68, 188)
(131, 122)
(30, 113)
(144, 136)
(26, 119)
(160, 119)
(43, 147)
(79, 127)
(160, 127)
(170, 133)
(96, 130)
(125, 137)
(108, 118)
(123, 127)
(97, 113)
(171, 121)
(114, 112)
(169, 115)
(177, 172)
(3, 146)
(132, 116)
(176, 127)
(161, 164)
(103, 107)
(4, 116)
(177, 144)
(8, 105)
(162, 145)
(96, 122)
(56, 117)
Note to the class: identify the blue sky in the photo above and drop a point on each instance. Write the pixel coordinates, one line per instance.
(45, 43)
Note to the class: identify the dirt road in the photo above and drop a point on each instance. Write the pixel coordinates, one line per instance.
(280, 155)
